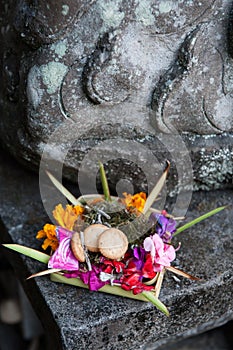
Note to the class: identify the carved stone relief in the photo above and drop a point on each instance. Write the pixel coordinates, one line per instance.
(166, 64)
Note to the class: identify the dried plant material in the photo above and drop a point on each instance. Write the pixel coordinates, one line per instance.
(156, 190)
(43, 273)
(182, 273)
(159, 283)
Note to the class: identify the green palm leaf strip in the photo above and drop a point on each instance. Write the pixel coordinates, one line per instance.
(32, 253)
(44, 258)
(155, 301)
(104, 182)
(144, 296)
(197, 220)
(63, 190)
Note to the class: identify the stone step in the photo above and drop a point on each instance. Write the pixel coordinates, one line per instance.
(216, 339)
(80, 319)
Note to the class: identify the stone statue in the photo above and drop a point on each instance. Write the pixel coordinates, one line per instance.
(117, 67)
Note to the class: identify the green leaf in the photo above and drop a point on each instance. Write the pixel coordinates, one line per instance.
(115, 290)
(32, 253)
(199, 219)
(144, 296)
(63, 190)
(156, 190)
(104, 182)
(155, 301)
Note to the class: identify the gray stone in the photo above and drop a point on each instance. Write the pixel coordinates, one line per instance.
(212, 340)
(195, 95)
(76, 318)
(103, 70)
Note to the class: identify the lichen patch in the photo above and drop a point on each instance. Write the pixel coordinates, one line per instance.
(52, 74)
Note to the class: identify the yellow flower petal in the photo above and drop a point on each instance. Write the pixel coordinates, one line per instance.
(67, 217)
(58, 214)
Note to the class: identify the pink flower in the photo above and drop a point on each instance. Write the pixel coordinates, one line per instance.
(162, 254)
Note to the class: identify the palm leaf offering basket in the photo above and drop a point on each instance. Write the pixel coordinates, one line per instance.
(121, 246)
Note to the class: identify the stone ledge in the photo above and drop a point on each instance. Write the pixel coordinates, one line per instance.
(79, 318)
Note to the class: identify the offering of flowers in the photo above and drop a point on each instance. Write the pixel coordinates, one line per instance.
(116, 245)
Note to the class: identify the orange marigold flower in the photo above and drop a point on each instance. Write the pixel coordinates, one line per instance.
(78, 210)
(67, 217)
(136, 201)
(49, 233)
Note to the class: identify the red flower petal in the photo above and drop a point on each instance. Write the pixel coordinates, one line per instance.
(147, 270)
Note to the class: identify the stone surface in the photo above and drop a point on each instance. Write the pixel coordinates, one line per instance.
(212, 340)
(81, 73)
(195, 94)
(76, 318)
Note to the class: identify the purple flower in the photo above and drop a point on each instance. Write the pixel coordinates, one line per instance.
(139, 257)
(94, 281)
(165, 227)
(63, 258)
(90, 278)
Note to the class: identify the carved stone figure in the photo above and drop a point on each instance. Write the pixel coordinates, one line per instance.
(115, 68)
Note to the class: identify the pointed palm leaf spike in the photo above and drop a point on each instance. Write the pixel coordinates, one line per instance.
(104, 182)
(43, 273)
(32, 253)
(182, 273)
(195, 221)
(155, 301)
(159, 283)
(63, 190)
(156, 190)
